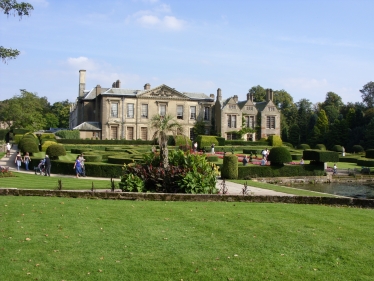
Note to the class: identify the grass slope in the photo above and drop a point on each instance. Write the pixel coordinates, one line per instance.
(79, 239)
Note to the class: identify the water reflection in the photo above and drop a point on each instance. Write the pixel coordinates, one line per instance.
(350, 189)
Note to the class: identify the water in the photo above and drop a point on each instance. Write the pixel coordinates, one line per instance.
(349, 189)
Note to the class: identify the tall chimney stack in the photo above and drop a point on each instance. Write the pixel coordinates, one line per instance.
(118, 84)
(82, 82)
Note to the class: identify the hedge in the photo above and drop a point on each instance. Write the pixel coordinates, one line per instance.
(255, 171)
(365, 162)
(320, 146)
(337, 148)
(108, 142)
(206, 141)
(212, 158)
(275, 140)
(357, 148)
(303, 146)
(320, 156)
(120, 160)
(48, 143)
(369, 153)
(348, 159)
(93, 158)
(230, 167)
(296, 156)
(68, 134)
(250, 143)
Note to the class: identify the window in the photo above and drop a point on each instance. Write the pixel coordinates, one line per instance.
(130, 133)
(114, 110)
(231, 121)
(232, 106)
(193, 112)
(249, 107)
(250, 121)
(179, 111)
(162, 109)
(144, 110)
(271, 108)
(270, 122)
(113, 132)
(232, 136)
(143, 133)
(130, 110)
(206, 113)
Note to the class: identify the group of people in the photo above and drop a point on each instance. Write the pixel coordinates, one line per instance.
(19, 160)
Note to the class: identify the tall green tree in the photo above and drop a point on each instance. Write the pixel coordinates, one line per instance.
(322, 122)
(369, 135)
(305, 111)
(24, 111)
(162, 126)
(367, 94)
(294, 135)
(259, 93)
(12, 7)
(62, 111)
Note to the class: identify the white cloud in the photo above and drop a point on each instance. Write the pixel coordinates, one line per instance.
(82, 63)
(148, 20)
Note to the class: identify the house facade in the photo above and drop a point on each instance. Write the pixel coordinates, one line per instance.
(117, 113)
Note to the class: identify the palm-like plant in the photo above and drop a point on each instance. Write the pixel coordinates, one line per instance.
(162, 125)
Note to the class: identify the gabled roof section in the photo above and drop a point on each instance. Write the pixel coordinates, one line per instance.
(121, 92)
(162, 92)
(88, 126)
(243, 103)
(91, 94)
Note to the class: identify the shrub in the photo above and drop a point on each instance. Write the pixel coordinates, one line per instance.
(203, 141)
(55, 150)
(120, 160)
(321, 156)
(182, 140)
(288, 144)
(230, 167)
(47, 143)
(28, 145)
(365, 162)
(212, 158)
(275, 140)
(17, 138)
(93, 158)
(296, 156)
(337, 148)
(3, 134)
(303, 146)
(47, 136)
(357, 148)
(320, 146)
(369, 153)
(279, 155)
(68, 134)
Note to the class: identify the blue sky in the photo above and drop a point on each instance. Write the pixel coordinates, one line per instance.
(306, 47)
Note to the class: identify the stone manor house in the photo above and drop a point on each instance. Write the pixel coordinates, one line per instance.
(117, 113)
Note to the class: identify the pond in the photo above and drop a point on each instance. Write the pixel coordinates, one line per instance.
(349, 189)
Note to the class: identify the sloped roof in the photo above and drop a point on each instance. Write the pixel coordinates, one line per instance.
(88, 126)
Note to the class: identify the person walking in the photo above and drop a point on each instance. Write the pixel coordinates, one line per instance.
(195, 147)
(47, 165)
(81, 159)
(26, 160)
(212, 147)
(77, 167)
(8, 147)
(18, 161)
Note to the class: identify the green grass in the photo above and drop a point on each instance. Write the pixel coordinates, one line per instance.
(284, 189)
(32, 181)
(80, 239)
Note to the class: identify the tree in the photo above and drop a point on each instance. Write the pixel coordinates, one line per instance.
(24, 111)
(162, 126)
(368, 94)
(294, 134)
(369, 135)
(333, 99)
(304, 110)
(12, 7)
(322, 122)
(259, 93)
(199, 128)
(62, 112)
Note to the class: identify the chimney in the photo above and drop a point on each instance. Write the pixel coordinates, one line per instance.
(250, 96)
(147, 86)
(82, 82)
(211, 96)
(236, 98)
(219, 94)
(269, 94)
(118, 84)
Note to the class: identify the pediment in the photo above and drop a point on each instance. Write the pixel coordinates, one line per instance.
(162, 92)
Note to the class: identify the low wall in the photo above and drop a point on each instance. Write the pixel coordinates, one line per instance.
(353, 202)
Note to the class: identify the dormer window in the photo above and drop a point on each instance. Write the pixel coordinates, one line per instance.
(271, 108)
(232, 106)
(249, 107)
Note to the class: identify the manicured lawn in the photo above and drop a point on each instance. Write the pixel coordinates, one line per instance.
(81, 239)
(32, 181)
(284, 189)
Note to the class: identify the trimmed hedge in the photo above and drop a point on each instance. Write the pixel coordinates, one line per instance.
(321, 156)
(55, 150)
(296, 156)
(28, 145)
(212, 158)
(206, 141)
(182, 140)
(230, 167)
(369, 153)
(47, 136)
(279, 155)
(119, 160)
(68, 134)
(357, 148)
(255, 171)
(303, 146)
(337, 148)
(252, 151)
(247, 143)
(48, 143)
(108, 142)
(365, 162)
(320, 146)
(93, 158)
(17, 138)
(275, 140)
(348, 159)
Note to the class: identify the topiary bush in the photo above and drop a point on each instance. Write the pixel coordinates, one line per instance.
(365, 162)
(55, 150)
(369, 153)
(275, 140)
(357, 148)
(279, 155)
(230, 167)
(337, 148)
(28, 145)
(321, 156)
(320, 146)
(303, 146)
(46, 144)
(68, 134)
(296, 156)
(212, 158)
(93, 158)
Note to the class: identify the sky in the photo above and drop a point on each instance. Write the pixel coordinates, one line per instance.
(305, 47)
